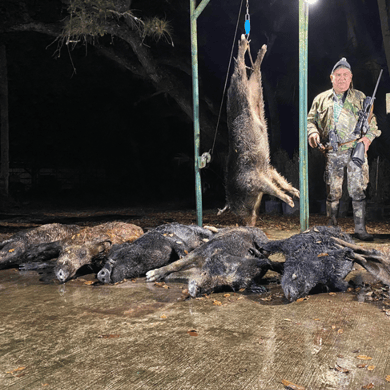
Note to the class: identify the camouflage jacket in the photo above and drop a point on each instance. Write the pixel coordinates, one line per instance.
(321, 118)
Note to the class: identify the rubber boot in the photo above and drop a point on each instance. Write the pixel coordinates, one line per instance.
(359, 216)
(332, 209)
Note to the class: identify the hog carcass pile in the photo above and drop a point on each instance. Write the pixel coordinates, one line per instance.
(249, 174)
(237, 258)
(230, 259)
(156, 248)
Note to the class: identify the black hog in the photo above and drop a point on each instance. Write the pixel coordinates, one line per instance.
(37, 244)
(313, 258)
(160, 246)
(230, 259)
(249, 174)
(91, 245)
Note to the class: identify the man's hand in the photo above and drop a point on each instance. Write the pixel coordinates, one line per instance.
(314, 140)
(366, 142)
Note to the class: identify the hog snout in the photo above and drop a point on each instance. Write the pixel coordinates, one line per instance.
(104, 275)
(62, 276)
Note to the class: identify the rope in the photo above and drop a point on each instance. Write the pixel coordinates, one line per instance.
(227, 74)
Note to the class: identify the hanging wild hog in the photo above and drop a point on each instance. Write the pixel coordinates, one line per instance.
(249, 174)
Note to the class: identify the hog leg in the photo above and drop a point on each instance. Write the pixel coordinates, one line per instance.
(178, 265)
(251, 219)
(269, 187)
(255, 85)
(237, 96)
(282, 182)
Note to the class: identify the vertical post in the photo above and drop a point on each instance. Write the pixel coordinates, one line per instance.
(195, 99)
(194, 13)
(303, 154)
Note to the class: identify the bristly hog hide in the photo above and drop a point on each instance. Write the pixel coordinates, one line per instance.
(313, 258)
(249, 174)
(91, 245)
(37, 244)
(157, 247)
(231, 259)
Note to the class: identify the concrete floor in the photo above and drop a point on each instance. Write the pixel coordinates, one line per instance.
(138, 335)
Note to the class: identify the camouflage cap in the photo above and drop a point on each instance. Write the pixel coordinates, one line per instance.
(343, 63)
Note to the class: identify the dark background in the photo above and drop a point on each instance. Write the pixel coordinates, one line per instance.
(83, 127)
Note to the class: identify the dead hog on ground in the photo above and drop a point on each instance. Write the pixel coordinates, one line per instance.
(91, 245)
(230, 259)
(249, 174)
(313, 258)
(160, 246)
(37, 244)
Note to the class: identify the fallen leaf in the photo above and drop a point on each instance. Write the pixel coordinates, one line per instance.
(323, 255)
(161, 284)
(333, 326)
(163, 316)
(226, 295)
(217, 303)
(369, 386)
(16, 370)
(11, 250)
(363, 357)
(341, 369)
(300, 299)
(291, 385)
(370, 368)
(340, 331)
(186, 251)
(317, 319)
(88, 282)
(332, 293)
(192, 332)
(45, 384)
(108, 336)
(361, 365)
(387, 378)
(241, 289)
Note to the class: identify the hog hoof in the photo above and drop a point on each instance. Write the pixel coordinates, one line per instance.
(290, 202)
(153, 275)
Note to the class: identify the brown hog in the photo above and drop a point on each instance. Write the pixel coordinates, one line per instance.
(249, 174)
(92, 244)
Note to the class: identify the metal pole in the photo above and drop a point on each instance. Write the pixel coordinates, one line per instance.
(194, 13)
(303, 154)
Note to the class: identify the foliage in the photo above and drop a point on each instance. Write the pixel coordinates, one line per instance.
(157, 29)
(89, 19)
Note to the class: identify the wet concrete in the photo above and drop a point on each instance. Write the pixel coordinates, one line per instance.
(138, 335)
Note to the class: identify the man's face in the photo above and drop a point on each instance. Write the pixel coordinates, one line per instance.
(341, 79)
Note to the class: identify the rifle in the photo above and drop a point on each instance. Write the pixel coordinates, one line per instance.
(363, 125)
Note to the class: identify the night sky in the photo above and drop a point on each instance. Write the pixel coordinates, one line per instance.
(138, 145)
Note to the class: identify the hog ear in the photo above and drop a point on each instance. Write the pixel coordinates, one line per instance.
(104, 245)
